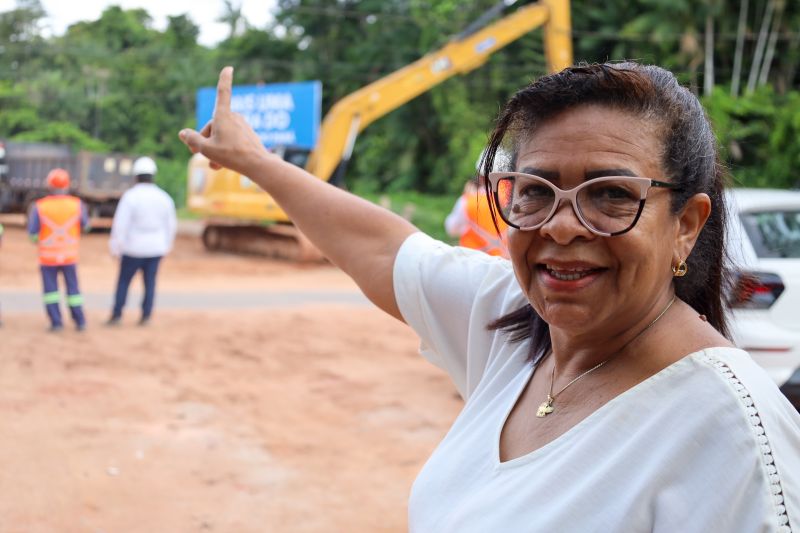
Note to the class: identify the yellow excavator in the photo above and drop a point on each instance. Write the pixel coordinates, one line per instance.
(241, 217)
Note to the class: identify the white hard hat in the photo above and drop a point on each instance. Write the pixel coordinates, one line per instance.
(144, 166)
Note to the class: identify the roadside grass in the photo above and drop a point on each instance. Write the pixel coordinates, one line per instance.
(425, 211)
(185, 214)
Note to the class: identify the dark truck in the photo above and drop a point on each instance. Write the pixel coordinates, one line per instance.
(97, 179)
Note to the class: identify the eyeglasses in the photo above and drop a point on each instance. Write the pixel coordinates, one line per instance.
(606, 206)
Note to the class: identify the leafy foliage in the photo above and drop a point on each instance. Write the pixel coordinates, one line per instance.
(116, 83)
(760, 136)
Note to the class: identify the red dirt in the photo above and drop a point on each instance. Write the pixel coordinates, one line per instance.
(312, 418)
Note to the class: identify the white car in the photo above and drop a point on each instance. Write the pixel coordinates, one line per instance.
(764, 233)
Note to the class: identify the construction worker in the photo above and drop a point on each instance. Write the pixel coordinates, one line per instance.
(471, 221)
(55, 224)
(142, 233)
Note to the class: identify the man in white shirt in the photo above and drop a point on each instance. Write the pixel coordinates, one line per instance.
(142, 233)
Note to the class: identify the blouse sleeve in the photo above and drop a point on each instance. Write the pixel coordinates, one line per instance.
(449, 295)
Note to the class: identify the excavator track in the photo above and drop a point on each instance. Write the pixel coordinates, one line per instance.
(280, 241)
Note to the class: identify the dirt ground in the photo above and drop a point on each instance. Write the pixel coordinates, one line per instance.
(310, 416)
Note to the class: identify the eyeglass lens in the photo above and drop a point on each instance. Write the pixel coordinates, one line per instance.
(607, 206)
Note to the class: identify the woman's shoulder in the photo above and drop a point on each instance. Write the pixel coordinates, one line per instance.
(420, 245)
(721, 425)
(725, 374)
(458, 274)
(735, 368)
(749, 386)
(448, 295)
(769, 420)
(721, 393)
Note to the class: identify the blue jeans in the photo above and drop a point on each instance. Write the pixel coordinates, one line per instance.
(127, 269)
(52, 297)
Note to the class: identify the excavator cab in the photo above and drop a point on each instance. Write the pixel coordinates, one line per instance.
(295, 156)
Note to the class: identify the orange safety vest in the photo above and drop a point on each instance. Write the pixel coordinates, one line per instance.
(60, 229)
(482, 234)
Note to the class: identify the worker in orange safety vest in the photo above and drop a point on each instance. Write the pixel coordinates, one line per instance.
(471, 220)
(55, 223)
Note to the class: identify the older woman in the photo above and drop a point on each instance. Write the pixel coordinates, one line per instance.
(601, 392)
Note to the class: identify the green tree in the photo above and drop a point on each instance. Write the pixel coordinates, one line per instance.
(233, 17)
(118, 83)
(21, 42)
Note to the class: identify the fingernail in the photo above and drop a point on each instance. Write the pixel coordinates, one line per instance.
(182, 134)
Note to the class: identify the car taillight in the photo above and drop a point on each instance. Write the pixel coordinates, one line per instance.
(755, 290)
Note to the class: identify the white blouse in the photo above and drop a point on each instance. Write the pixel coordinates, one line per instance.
(709, 444)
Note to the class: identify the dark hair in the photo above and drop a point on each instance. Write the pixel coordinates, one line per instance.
(690, 158)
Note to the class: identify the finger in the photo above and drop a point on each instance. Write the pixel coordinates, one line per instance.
(224, 86)
(192, 139)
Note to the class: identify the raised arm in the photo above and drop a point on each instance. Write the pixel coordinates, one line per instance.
(359, 237)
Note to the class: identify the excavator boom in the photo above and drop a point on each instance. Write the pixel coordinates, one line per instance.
(240, 216)
(353, 113)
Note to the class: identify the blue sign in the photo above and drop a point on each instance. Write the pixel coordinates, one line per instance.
(283, 114)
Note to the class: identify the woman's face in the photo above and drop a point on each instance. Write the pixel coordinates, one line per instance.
(577, 280)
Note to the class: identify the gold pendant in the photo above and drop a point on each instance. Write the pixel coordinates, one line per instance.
(546, 408)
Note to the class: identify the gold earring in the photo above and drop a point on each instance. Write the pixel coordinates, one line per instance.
(680, 270)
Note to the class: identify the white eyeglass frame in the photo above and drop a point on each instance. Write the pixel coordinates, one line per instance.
(571, 195)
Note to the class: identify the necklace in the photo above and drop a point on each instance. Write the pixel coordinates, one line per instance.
(547, 406)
